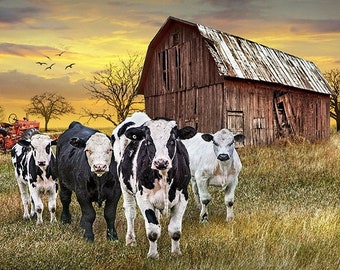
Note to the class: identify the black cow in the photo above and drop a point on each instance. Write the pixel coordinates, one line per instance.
(155, 169)
(86, 166)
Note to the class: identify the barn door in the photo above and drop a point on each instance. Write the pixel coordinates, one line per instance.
(235, 123)
(285, 116)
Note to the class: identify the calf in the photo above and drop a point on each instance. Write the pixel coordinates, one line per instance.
(155, 169)
(214, 162)
(86, 167)
(34, 167)
(120, 142)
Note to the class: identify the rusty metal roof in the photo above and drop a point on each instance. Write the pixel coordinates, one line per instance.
(245, 59)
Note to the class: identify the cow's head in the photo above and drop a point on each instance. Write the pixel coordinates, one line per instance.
(41, 146)
(160, 139)
(224, 143)
(98, 149)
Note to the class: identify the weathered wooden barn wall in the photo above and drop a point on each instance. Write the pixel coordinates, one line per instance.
(181, 81)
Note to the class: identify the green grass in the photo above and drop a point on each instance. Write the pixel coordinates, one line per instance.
(287, 216)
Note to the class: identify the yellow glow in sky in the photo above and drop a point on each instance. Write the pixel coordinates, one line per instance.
(93, 34)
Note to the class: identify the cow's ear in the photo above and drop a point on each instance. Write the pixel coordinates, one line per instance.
(135, 134)
(54, 142)
(77, 142)
(239, 138)
(186, 133)
(24, 143)
(207, 137)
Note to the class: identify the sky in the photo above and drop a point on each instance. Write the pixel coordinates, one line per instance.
(93, 34)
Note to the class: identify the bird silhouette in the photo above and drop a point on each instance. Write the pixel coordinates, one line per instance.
(41, 63)
(50, 67)
(59, 54)
(47, 57)
(70, 65)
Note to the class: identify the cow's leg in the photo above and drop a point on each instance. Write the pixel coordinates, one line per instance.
(175, 224)
(38, 204)
(25, 198)
(229, 198)
(52, 202)
(110, 212)
(129, 205)
(88, 215)
(65, 198)
(205, 198)
(195, 191)
(152, 226)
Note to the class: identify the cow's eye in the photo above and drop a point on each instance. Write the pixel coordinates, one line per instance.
(230, 144)
(172, 142)
(215, 143)
(148, 143)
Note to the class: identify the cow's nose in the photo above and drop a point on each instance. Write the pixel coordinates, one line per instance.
(223, 157)
(41, 163)
(161, 164)
(99, 167)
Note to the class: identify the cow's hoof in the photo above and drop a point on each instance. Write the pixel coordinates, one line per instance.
(230, 219)
(176, 253)
(153, 256)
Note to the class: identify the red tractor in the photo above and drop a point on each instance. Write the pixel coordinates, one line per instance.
(11, 132)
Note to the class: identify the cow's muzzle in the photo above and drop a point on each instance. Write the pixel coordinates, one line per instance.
(99, 168)
(223, 157)
(41, 163)
(161, 164)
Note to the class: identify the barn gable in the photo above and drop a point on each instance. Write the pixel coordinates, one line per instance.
(212, 80)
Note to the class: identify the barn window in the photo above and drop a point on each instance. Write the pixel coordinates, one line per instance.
(178, 66)
(259, 123)
(175, 39)
(235, 122)
(164, 64)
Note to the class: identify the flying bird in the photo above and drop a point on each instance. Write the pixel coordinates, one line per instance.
(59, 54)
(70, 65)
(47, 57)
(41, 63)
(50, 67)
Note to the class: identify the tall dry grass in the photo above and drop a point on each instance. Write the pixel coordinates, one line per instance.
(287, 216)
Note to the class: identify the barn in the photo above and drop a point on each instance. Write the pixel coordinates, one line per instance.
(210, 80)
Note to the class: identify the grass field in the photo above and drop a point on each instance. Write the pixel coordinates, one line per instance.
(287, 216)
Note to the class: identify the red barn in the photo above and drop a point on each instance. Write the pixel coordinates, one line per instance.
(210, 80)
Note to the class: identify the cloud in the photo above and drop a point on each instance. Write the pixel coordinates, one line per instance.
(16, 15)
(23, 49)
(16, 85)
(315, 26)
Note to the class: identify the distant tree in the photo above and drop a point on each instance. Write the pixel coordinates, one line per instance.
(117, 87)
(50, 106)
(333, 78)
(2, 113)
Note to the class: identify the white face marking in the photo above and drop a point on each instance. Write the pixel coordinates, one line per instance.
(223, 143)
(99, 153)
(160, 131)
(42, 151)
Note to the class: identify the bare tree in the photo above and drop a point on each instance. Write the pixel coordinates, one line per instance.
(117, 87)
(333, 78)
(50, 106)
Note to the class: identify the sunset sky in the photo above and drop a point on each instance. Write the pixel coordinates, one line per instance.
(96, 33)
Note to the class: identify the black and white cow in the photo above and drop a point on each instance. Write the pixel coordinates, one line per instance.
(34, 166)
(86, 166)
(155, 169)
(214, 161)
(120, 142)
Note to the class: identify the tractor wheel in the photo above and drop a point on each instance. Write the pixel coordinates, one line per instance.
(12, 118)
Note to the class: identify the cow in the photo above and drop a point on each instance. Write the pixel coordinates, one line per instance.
(154, 169)
(120, 141)
(86, 167)
(214, 161)
(34, 168)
